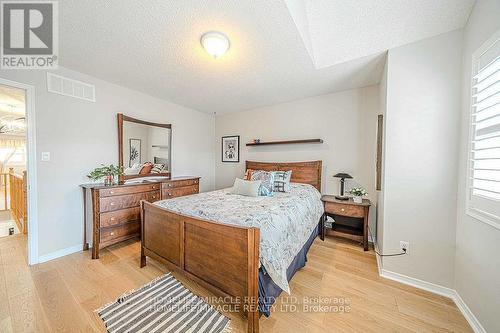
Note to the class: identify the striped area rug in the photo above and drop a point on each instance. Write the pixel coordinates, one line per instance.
(163, 305)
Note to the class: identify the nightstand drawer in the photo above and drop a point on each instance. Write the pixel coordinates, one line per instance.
(344, 209)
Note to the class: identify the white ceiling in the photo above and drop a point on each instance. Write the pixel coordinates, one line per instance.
(340, 30)
(153, 46)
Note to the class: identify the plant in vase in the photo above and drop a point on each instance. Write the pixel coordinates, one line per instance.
(106, 173)
(358, 194)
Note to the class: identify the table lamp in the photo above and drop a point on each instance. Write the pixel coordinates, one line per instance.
(342, 177)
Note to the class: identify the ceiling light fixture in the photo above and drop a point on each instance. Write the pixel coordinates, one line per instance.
(215, 43)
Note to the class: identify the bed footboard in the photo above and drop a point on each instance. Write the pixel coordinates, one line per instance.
(222, 258)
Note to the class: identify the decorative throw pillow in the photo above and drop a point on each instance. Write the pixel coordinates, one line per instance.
(133, 170)
(267, 178)
(248, 188)
(248, 174)
(282, 181)
(146, 168)
(157, 168)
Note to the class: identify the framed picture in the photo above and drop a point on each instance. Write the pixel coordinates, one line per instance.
(134, 152)
(231, 148)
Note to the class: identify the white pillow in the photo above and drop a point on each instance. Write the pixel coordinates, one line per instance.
(249, 188)
(133, 170)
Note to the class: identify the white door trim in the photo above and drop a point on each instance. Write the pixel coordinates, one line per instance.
(31, 168)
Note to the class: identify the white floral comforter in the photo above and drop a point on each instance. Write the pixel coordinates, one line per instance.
(286, 220)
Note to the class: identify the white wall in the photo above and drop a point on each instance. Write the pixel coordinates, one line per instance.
(422, 130)
(477, 263)
(380, 194)
(346, 121)
(80, 135)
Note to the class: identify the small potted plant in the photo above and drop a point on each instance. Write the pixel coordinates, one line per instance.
(106, 173)
(358, 194)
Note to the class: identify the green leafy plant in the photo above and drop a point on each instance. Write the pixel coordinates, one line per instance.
(358, 191)
(105, 171)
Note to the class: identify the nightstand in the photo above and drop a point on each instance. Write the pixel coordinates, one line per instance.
(348, 208)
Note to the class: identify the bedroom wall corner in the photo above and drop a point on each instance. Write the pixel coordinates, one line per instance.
(422, 131)
(379, 242)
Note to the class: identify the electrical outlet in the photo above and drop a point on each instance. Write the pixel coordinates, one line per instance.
(404, 247)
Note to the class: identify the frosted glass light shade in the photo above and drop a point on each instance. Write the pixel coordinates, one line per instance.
(215, 43)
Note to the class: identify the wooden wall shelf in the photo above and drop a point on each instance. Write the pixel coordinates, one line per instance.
(285, 142)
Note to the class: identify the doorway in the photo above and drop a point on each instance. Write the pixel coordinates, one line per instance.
(13, 164)
(17, 168)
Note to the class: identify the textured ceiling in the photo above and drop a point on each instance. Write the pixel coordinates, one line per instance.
(336, 31)
(153, 46)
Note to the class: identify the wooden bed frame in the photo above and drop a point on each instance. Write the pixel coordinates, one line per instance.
(194, 247)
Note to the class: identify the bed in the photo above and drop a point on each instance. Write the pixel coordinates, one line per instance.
(264, 240)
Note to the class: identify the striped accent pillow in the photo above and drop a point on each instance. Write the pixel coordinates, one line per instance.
(157, 168)
(248, 174)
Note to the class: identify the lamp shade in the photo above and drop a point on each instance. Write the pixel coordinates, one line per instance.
(342, 175)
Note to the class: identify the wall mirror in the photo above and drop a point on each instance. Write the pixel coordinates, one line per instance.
(144, 148)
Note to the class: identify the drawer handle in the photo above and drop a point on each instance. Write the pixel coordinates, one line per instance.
(153, 187)
(169, 185)
(112, 219)
(169, 194)
(112, 204)
(112, 234)
(154, 196)
(196, 182)
(342, 209)
(111, 192)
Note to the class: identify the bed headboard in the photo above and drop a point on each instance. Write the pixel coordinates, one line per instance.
(302, 172)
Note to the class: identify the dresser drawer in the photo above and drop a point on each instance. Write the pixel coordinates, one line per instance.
(344, 210)
(119, 233)
(120, 217)
(126, 201)
(107, 192)
(180, 183)
(179, 192)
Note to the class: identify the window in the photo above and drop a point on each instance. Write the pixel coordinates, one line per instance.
(483, 197)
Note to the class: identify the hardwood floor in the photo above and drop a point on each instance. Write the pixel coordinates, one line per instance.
(61, 295)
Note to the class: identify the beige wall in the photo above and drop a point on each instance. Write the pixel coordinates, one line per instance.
(80, 135)
(477, 263)
(346, 121)
(422, 130)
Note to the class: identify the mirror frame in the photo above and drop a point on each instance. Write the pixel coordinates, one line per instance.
(121, 118)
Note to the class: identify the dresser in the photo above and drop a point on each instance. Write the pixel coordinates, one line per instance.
(112, 213)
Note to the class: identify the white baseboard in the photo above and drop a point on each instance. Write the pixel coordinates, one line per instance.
(421, 284)
(436, 289)
(59, 253)
(473, 321)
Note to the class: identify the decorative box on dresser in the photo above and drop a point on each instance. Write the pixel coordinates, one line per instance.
(112, 213)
